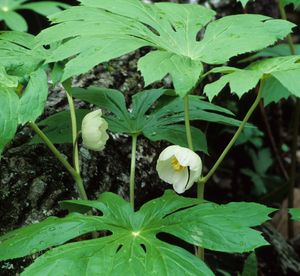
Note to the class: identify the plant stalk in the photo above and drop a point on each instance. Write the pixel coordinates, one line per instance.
(76, 176)
(203, 180)
(132, 169)
(187, 122)
(67, 86)
(200, 188)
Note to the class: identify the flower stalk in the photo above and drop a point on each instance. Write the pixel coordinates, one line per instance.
(67, 86)
(187, 122)
(204, 179)
(132, 169)
(76, 176)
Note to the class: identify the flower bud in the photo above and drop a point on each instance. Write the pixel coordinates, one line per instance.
(93, 129)
(180, 167)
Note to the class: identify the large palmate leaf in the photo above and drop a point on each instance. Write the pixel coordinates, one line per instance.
(15, 21)
(133, 247)
(162, 123)
(50, 232)
(102, 30)
(284, 69)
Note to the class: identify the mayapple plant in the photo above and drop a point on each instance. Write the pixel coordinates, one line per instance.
(183, 38)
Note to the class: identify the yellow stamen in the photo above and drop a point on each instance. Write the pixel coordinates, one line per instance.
(176, 165)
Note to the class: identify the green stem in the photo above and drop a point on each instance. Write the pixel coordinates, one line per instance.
(59, 156)
(187, 122)
(67, 86)
(203, 180)
(200, 187)
(132, 169)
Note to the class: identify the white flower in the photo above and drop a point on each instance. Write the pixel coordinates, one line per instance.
(180, 167)
(93, 129)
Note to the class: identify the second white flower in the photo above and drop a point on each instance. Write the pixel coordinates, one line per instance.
(180, 167)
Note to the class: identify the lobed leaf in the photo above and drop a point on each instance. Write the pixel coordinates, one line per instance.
(14, 21)
(99, 31)
(284, 69)
(161, 123)
(50, 232)
(44, 7)
(132, 246)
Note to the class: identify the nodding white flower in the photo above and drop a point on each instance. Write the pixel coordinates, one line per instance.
(93, 129)
(180, 167)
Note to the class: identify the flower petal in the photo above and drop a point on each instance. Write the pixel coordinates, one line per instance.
(187, 157)
(180, 180)
(168, 152)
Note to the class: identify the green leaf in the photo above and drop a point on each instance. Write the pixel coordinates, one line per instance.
(207, 224)
(110, 99)
(7, 81)
(10, 4)
(14, 21)
(57, 127)
(276, 51)
(240, 82)
(34, 97)
(257, 180)
(164, 122)
(290, 80)
(133, 247)
(99, 31)
(250, 266)
(18, 55)
(283, 69)
(45, 8)
(295, 212)
(176, 134)
(247, 33)
(184, 71)
(9, 105)
(50, 232)
(262, 161)
(274, 91)
(251, 135)
(170, 202)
